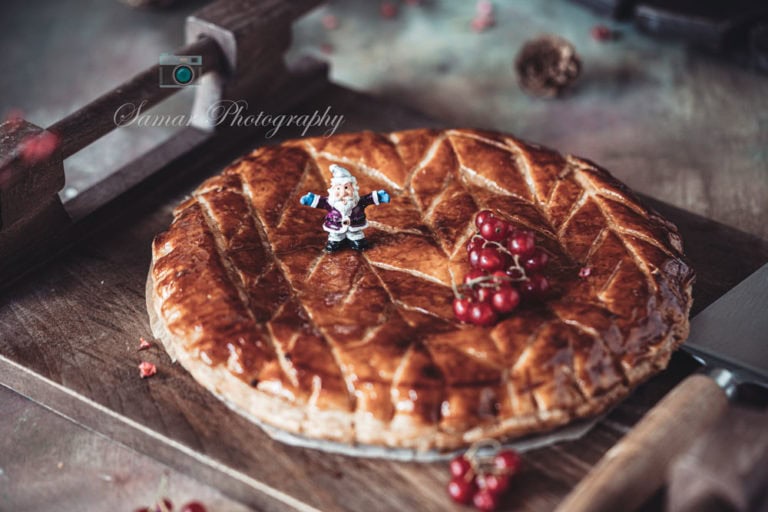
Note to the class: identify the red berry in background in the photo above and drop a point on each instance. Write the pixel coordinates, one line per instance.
(459, 466)
(474, 257)
(508, 461)
(496, 484)
(482, 217)
(461, 490)
(505, 300)
(36, 148)
(515, 273)
(536, 261)
(474, 273)
(601, 33)
(521, 242)
(494, 229)
(388, 10)
(193, 506)
(490, 260)
(330, 22)
(485, 500)
(536, 286)
(482, 314)
(461, 309)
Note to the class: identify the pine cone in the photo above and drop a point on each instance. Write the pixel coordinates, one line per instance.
(547, 65)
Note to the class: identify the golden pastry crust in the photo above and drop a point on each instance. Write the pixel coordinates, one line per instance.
(363, 347)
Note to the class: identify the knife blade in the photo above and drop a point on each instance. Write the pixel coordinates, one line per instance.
(731, 337)
(732, 332)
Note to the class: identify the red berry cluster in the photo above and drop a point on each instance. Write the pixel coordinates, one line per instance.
(506, 267)
(482, 482)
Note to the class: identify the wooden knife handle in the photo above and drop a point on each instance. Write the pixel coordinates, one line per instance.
(631, 471)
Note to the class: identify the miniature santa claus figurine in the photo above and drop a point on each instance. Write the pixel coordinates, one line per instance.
(346, 210)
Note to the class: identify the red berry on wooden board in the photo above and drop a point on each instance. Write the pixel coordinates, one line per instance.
(485, 500)
(461, 309)
(482, 217)
(521, 242)
(536, 261)
(507, 461)
(459, 466)
(482, 314)
(496, 484)
(193, 506)
(494, 229)
(490, 259)
(462, 491)
(505, 300)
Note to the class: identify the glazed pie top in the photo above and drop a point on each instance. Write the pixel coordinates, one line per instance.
(364, 347)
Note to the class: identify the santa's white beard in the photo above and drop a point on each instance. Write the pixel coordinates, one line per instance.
(345, 205)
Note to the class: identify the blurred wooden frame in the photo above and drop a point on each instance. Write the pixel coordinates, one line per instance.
(242, 45)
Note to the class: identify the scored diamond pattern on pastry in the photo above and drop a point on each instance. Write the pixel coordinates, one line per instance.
(364, 347)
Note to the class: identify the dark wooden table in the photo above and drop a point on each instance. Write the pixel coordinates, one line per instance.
(93, 296)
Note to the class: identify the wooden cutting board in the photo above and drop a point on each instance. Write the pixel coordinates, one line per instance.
(69, 334)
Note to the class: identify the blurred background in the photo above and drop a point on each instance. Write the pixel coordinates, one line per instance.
(683, 118)
(672, 98)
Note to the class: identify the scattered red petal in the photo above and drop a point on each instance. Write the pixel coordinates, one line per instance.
(602, 33)
(144, 344)
(388, 10)
(326, 48)
(481, 23)
(330, 22)
(484, 8)
(147, 369)
(585, 272)
(37, 148)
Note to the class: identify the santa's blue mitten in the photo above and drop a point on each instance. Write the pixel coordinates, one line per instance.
(383, 196)
(307, 199)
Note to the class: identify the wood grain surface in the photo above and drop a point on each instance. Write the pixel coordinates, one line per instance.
(71, 330)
